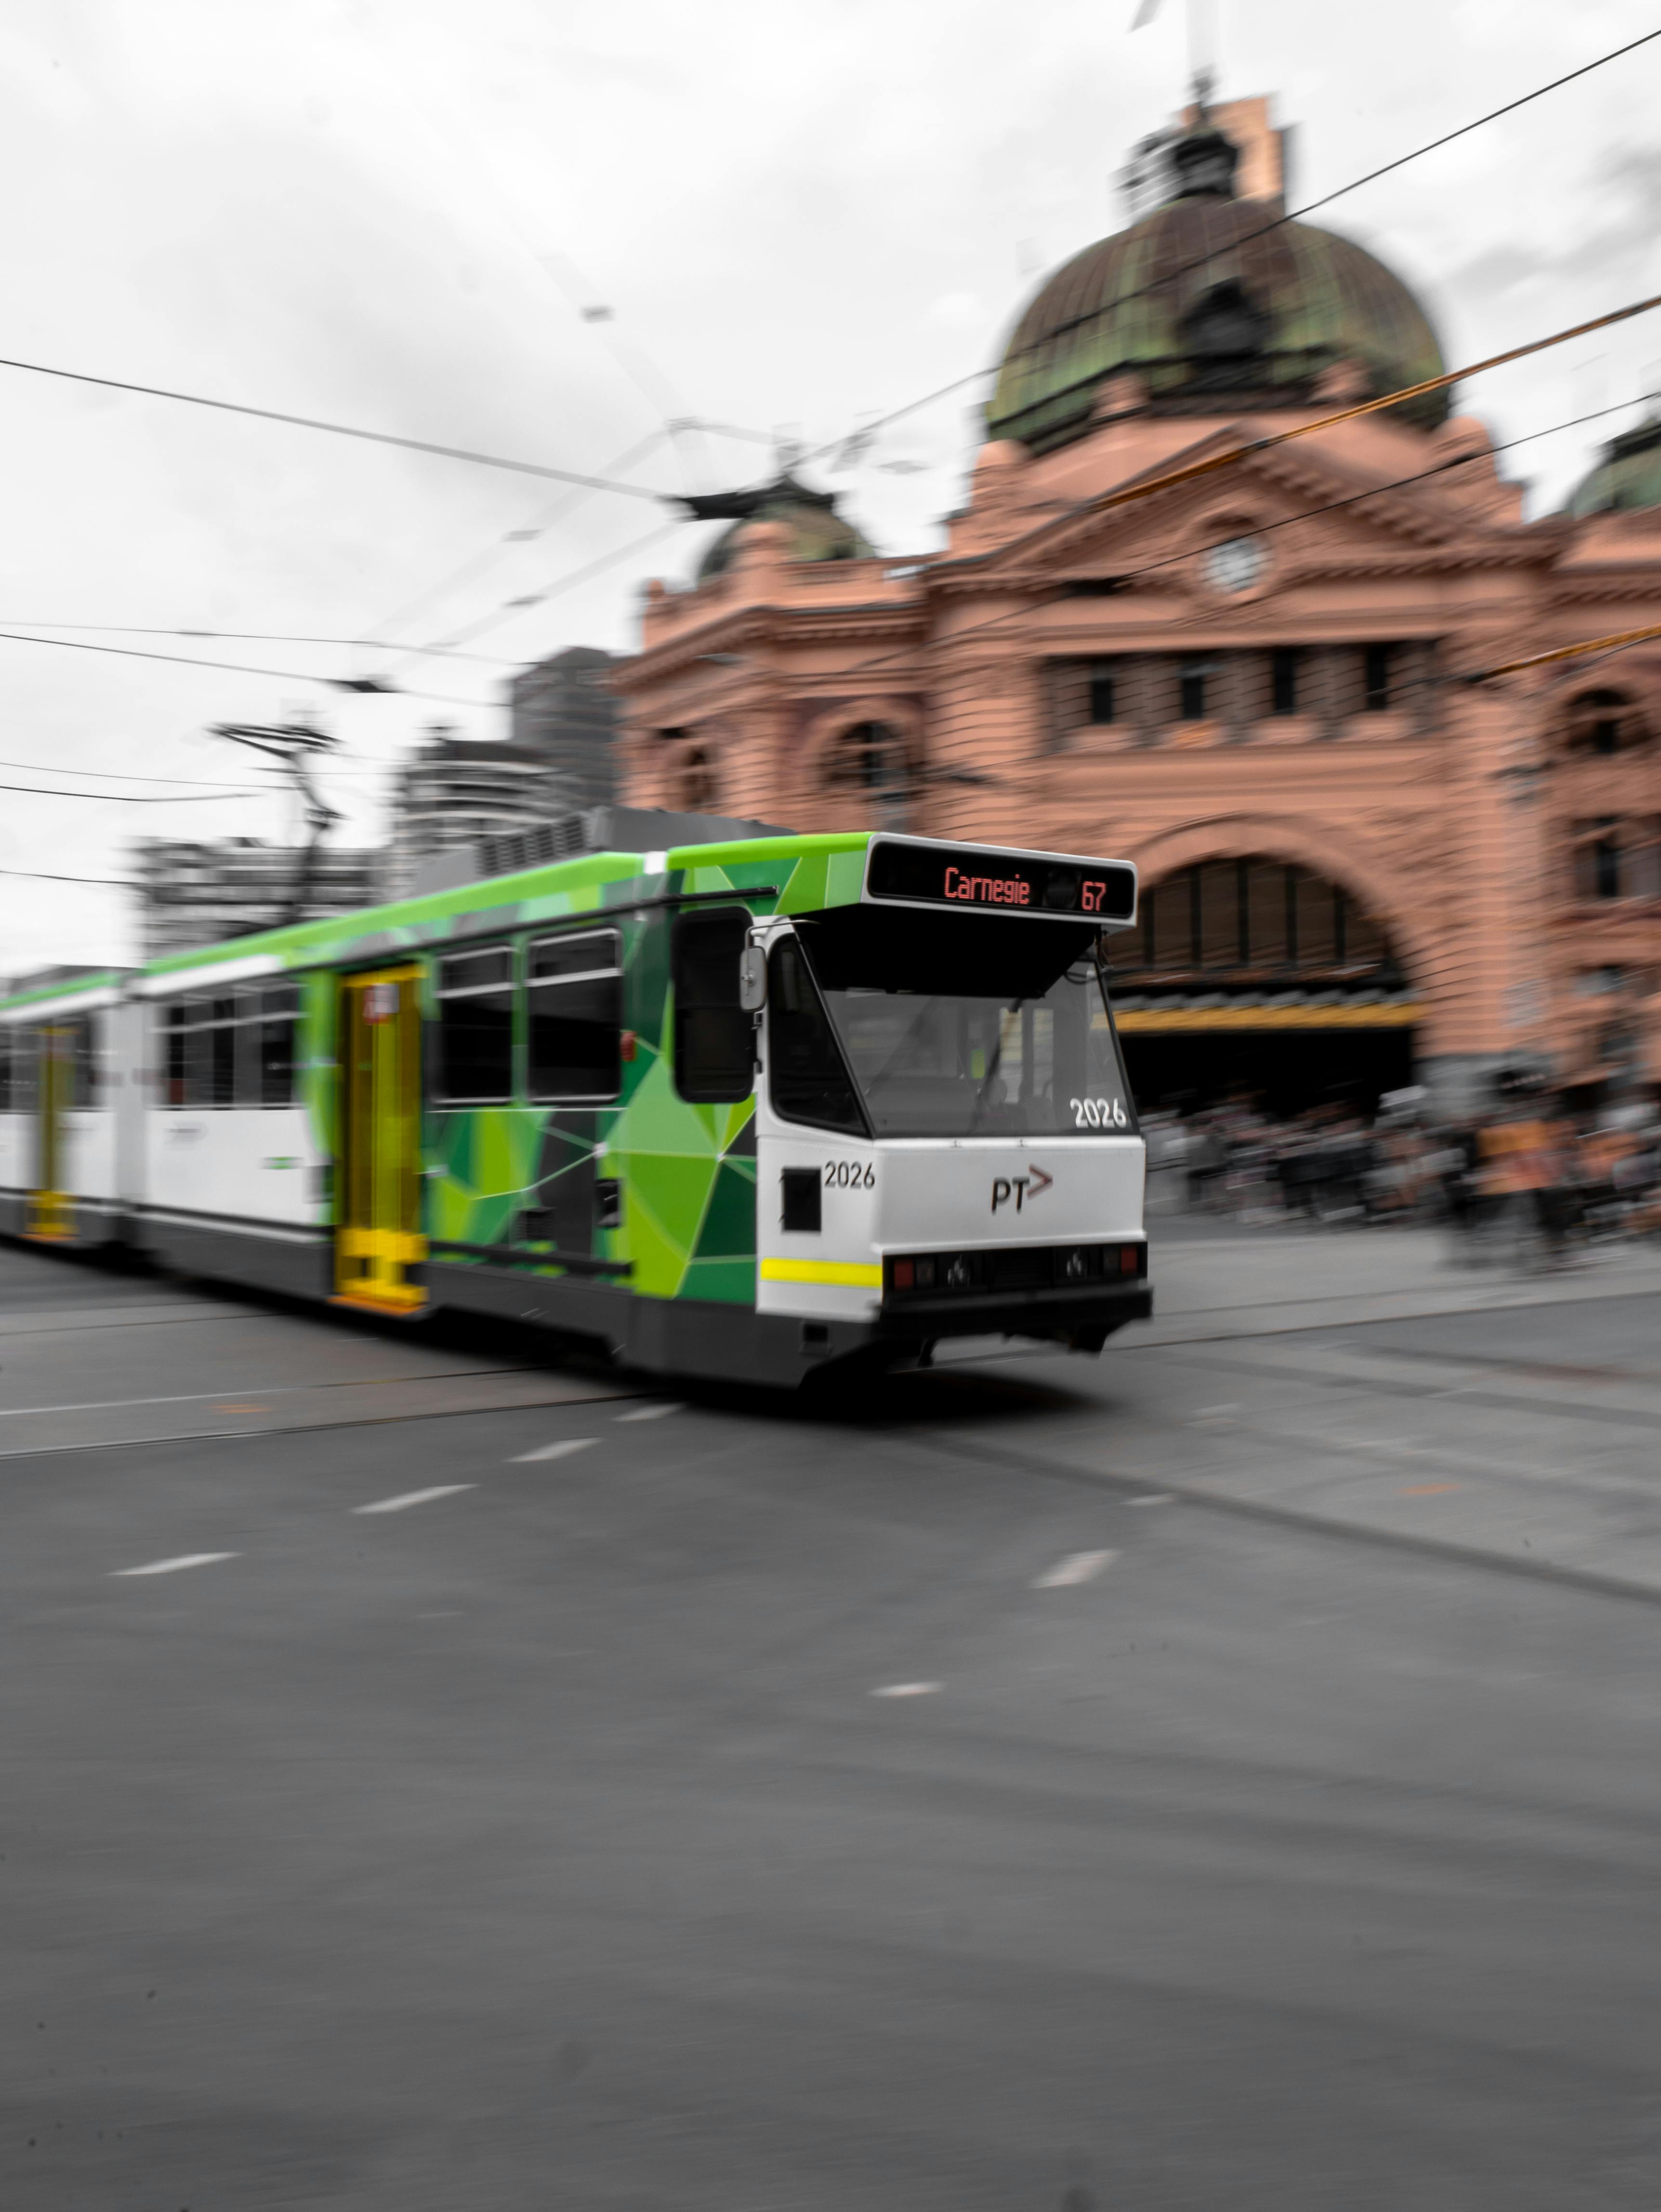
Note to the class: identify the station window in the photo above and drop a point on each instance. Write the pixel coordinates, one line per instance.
(1375, 677)
(1283, 679)
(574, 991)
(476, 1027)
(1103, 695)
(714, 1038)
(1191, 686)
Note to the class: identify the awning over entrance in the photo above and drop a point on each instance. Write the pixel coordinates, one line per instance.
(1258, 976)
(1135, 1015)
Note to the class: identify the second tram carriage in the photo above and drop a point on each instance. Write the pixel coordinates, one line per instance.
(736, 1110)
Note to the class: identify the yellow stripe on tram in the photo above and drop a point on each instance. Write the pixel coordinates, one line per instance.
(857, 1275)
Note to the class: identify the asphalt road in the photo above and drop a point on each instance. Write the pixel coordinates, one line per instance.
(1248, 1836)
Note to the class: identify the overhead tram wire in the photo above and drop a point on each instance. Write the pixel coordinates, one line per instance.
(561, 584)
(468, 454)
(1605, 647)
(1278, 222)
(480, 561)
(258, 636)
(235, 667)
(42, 876)
(1125, 495)
(116, 776)
(1374, 491)
(139, 797)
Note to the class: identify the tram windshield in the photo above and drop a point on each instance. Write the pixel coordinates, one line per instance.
(950, 1026)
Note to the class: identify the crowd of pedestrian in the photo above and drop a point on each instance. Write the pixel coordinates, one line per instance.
(1533, 1177)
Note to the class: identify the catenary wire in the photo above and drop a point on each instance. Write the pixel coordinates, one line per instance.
(136, 798)
(1374, 491)
(1100, 503)
(42, 876)
(118, 776)
(564, 583)
(1293, 214)
(257, 636)
(236, 667)
(469, 453)
(479, 562)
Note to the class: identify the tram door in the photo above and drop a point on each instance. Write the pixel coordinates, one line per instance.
(378, 1237)
(51, 1214)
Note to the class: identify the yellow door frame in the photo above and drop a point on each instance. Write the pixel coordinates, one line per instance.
(378, 1237)
(50, 1217)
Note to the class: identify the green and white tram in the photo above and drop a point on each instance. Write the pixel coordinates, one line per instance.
(734, 1110)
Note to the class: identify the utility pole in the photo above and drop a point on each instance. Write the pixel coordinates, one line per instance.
(295, 746)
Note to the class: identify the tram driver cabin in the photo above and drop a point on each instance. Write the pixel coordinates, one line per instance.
(741, 1111)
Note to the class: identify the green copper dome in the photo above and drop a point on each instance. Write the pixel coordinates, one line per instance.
(1203, 298)
(1629, 474)
(816, 531)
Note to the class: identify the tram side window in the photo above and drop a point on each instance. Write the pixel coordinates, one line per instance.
(199, 1065)
(25, 1046)
(574, 990)
(173, 1079)
(714, 1038)
(476, 1027)
(265, 1060)
(211, 1051)
(82, 1052)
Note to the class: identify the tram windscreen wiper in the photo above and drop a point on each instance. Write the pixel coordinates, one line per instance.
(991, 1076)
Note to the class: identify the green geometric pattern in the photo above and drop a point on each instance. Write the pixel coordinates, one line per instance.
(688, 1171)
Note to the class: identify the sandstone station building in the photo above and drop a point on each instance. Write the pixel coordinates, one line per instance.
(1359, 867)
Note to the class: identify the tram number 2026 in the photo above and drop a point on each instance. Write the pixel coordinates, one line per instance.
(1099, 1113)
(850, 1175)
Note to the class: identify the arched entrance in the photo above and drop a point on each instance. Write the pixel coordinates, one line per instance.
(1258, 976)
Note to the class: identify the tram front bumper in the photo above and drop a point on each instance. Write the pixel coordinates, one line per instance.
(1085, 1317)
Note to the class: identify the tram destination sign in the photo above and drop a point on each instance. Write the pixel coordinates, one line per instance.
(989, 879)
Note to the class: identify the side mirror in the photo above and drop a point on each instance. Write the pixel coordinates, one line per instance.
(752, 978)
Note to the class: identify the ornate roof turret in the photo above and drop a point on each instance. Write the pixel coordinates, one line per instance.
(816, 531)
(1210, 293)
(1627, 476)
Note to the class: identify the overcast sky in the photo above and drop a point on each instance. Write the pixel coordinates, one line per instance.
(394, 213)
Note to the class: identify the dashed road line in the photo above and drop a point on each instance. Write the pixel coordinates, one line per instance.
(561, 1450)
(908, 1690)
(650, 1412)
(414, 1497)
(177, 1566)
(1077, 1567)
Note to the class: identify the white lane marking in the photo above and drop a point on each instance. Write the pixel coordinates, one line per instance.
(554, 1451)
(1076, 1567)
(1153, 1498)
(651, 1413)
(413, 1497)
(907, 1690)
(175, 1566)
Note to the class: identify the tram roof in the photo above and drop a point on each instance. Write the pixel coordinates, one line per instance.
(784, 874)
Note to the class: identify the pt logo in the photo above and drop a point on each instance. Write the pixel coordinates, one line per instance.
(1019, 1188)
